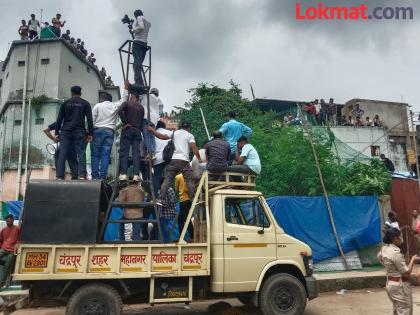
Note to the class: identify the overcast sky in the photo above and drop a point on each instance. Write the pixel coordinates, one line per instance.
(256, 42)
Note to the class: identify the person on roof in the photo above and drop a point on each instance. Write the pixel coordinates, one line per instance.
(218, 154)
(247, 160)
(71, 156)
(57, 25)
(140, 30)
(131, 114)
(232, 130)
(183, 141)
(23, 31)
(70, 130)
(387, 163)
(105, 116)
(155, 103)
(33, 25)
(66, 35)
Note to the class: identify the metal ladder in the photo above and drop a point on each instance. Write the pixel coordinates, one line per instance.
(146, 72)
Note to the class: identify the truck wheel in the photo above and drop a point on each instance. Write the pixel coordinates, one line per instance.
(95, 299)
(282, 294)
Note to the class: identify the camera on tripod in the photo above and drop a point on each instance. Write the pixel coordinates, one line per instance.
(127, 20)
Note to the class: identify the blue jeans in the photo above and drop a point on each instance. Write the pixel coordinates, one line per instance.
(157, 175)
(149, 138)
(130, 138)
(136, 230)
(101, 147)
(72, 140)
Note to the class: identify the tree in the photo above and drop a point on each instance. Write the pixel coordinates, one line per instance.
(288, 165)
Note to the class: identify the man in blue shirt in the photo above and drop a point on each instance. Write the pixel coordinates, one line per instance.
(247, 160)
(232, 131)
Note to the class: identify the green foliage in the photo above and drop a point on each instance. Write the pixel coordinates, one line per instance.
(288, 164)
(38, 101)
(372, 179)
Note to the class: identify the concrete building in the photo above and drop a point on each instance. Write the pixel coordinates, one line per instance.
(395, 120)
(391, 139)
(35, 78)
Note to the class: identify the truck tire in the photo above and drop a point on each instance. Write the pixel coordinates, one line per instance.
(95, 299)
(282, 294)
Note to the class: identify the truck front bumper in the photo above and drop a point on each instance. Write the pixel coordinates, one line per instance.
(312, 287)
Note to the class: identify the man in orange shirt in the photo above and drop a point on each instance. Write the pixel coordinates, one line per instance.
(184, 205)
(9, 237)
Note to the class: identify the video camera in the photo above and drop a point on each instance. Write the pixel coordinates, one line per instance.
(127, 20)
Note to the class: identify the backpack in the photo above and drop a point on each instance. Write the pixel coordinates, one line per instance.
(169, 149)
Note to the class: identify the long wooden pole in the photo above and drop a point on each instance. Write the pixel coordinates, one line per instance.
(327, 199)
(205, 124)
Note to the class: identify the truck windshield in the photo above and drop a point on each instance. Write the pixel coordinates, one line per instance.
(245, 211)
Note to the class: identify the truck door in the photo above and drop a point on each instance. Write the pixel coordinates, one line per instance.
(249, 242)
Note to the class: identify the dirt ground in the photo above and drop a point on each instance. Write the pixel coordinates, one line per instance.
(362, 302)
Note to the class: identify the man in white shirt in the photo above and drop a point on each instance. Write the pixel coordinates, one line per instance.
(159, 164)
(33, 25)
(155, 102)
(247, 159)
(105, 116)
(197, 167)
(180, 163)
(140, 30)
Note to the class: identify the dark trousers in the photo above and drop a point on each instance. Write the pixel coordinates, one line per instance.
(139, 51)
(130, 138)
(56, 31)
(33, 34)
(157, 175)
(174, 167)
(71, 161)
(6, 263)
(184, 209)
(72, 140)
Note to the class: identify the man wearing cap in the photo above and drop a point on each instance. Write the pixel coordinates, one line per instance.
(183, 141)
(105, 116)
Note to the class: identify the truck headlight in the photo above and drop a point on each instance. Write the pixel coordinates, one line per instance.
(309, 265)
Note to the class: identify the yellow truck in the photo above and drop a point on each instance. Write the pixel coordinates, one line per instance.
(239, 250)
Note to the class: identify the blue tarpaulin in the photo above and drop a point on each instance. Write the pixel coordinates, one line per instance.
(357, 221)
(13, 208)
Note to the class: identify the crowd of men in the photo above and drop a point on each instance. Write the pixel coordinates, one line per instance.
(145, 138)
(31, 30)
(322, 113)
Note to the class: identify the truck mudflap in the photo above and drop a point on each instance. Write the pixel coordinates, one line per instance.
(312, 287)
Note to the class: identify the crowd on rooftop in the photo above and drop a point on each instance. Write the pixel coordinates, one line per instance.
(322, 113)
(34, 29)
